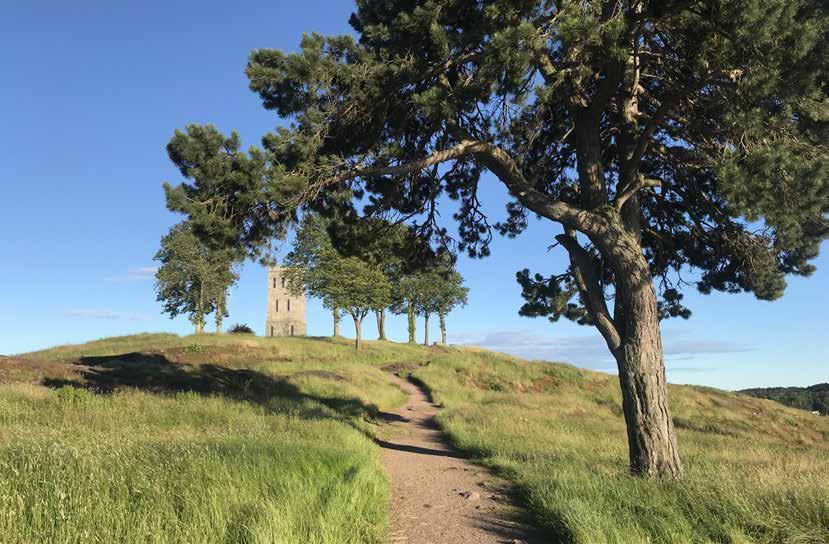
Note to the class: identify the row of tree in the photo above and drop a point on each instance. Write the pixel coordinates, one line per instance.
(372, 266)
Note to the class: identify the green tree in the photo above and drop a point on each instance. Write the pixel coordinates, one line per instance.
(436, 291)
(354, 287)
(404, 300)
(343, 283)
(192, 278)
(387, 245)
(311, 248)
(449, 294)
(229, 199)
(658, 136)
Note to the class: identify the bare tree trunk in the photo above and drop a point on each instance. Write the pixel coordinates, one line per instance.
(426, 330)
(410, 314)
(381, 324)
(652, 440)
(219, 320)
(358, 332)
(442, 318)
(336, 313)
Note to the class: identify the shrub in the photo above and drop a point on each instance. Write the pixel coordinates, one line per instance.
(240, 328)
(74, 395)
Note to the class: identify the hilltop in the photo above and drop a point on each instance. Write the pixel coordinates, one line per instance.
(814, 398)
(161, 438)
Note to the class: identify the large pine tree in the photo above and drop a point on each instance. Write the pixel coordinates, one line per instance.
(660, 136)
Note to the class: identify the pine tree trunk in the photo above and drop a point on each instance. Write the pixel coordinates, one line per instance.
(652, 440)
(381, 324)
(336, 313)
(426, 330)
(358, 332)
(410, 314)
(442, 318)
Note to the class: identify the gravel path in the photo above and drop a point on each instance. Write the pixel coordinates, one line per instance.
(437, 496)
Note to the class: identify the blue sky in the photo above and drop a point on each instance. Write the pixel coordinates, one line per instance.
(92, 92)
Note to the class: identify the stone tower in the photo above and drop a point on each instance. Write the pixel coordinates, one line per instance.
(286, 311)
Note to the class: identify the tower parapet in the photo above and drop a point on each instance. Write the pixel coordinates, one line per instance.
(286, 311)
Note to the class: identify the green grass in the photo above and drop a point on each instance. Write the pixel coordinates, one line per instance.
(755, 471)
(231, 438)
(157, 438)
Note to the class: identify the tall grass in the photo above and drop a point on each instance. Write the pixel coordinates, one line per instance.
(755, 471)
(162, 439)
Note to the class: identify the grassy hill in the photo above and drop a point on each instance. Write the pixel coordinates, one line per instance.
(160, 438)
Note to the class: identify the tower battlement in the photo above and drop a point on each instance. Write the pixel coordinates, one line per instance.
(286, 311)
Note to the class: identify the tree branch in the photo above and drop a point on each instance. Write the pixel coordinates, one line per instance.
(631, 190)
(584, 271)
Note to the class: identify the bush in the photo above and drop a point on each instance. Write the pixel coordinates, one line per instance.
(74, 395)
(240, 328)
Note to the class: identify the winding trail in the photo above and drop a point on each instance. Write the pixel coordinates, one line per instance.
(437, 496)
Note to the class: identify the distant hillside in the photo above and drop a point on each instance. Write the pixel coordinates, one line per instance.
(814, 398)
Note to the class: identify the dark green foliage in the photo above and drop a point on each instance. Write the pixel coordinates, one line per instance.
(730, 121)
(228, 201)
(814, 398)
(240, 328)
(734, 89)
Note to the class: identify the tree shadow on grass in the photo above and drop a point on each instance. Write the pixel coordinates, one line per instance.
(155, 373)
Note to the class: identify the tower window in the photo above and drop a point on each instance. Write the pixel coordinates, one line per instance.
(283, 281)
(292, 330)
(271, 330)
(277, 305)
(274, 283)
(289, 305)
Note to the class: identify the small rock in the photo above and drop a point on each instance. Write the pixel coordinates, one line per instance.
(470, 495)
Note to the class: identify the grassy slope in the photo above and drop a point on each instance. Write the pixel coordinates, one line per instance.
(270, 444)
(755, 471)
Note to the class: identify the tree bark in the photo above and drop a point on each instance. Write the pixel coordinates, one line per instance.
(426, 330)
(410, 314)
(442, 318)
(358, 331)
(652, 440)
(381, 324)
(336, 314)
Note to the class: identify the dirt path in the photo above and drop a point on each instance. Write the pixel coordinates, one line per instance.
(438, 497)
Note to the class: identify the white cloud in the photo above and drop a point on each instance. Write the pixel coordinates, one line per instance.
(103, 314)
(587, 350)
(135, 274)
